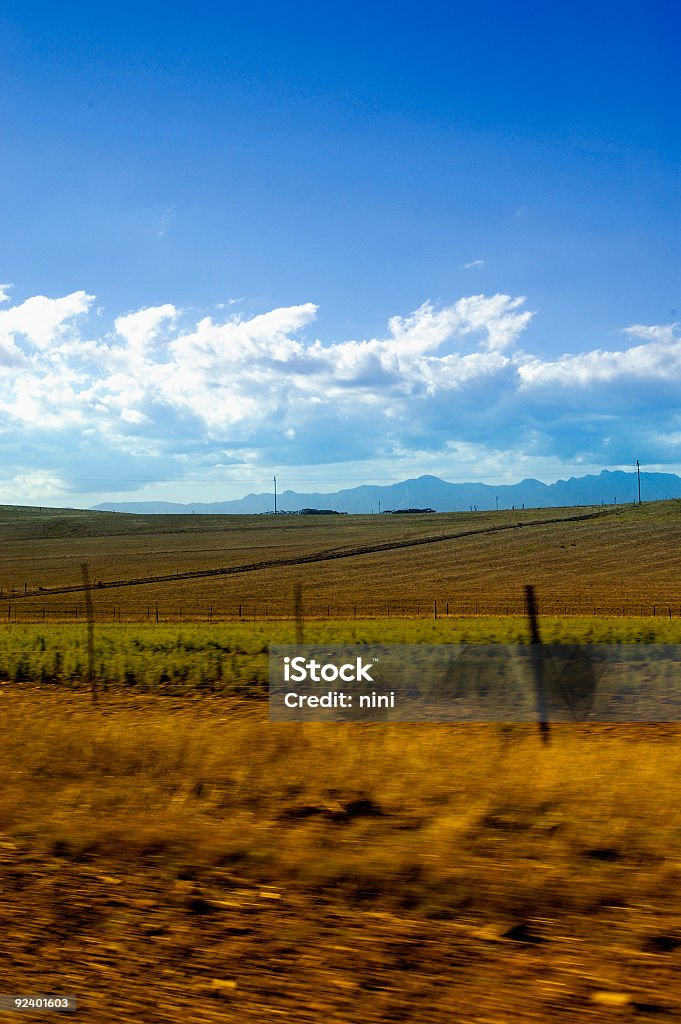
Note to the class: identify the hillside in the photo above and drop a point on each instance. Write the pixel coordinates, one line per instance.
(579, 560)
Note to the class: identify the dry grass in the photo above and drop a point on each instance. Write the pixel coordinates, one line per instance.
(204, 813)
(449, 810)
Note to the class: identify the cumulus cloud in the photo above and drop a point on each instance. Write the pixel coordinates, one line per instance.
(43, 321)
(658, 359)
(5, 289)
(160, 395)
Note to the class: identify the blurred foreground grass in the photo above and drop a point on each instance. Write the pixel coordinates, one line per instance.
(474, 821)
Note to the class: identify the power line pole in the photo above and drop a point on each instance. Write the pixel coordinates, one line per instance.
(638, 473)
(275, 495)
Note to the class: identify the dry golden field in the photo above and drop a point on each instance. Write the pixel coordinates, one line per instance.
(616, 560)
(169, 855)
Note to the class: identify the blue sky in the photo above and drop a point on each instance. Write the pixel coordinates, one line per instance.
(342, 243)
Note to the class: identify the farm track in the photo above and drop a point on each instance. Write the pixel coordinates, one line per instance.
(320, 556)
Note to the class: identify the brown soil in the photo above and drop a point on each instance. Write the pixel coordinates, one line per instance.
(622, 560)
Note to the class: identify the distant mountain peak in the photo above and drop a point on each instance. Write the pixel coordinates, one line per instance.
(428, 491)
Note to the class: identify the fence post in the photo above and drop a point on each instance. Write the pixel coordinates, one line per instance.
(435, 610)
(537, 664)
(90, 633)
(298, 613)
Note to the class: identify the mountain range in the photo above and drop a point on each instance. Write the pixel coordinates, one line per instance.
(430, 492)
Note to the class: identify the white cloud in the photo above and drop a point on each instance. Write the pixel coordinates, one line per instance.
(659, 359)
(33, 486)
(140, 328)
(160, 395)
(5, 289)
(41, 320)
(654, 333)
(497, 316)
(474, 265)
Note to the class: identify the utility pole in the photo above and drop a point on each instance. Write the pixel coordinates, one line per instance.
(275, 495)
(497, 502)
(638, 474)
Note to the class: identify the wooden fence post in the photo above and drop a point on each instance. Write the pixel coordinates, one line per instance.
(537, 665)
(298, 613)
(92, 678)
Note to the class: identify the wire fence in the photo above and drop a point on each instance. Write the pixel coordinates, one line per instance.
(270, 610)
